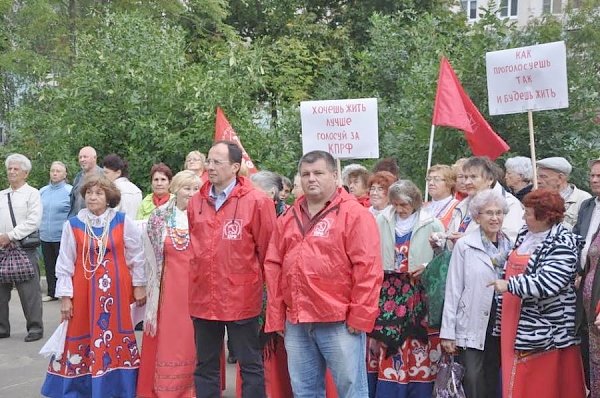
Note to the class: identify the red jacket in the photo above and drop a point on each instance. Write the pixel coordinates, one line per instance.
(328, 270)
(229, 247)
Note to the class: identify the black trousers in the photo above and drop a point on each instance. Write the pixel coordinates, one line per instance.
(50, 253)
(243, 337)
(482, 369)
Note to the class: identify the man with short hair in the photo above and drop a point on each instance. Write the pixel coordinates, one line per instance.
(230, 225)
(27, 212)
(553, 173)
(324, 273)
(88, 163)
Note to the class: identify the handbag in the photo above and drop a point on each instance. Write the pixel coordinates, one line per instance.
(15, 266)
(434, 282)
(32, 240)
(448, 382)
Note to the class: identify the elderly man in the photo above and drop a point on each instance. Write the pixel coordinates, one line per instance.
(88, 163)
(230, 225)
(27, 209)
(553, 173)
(324, 275)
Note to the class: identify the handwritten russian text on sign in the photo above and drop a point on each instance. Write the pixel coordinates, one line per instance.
(344, 128)
(525, 79)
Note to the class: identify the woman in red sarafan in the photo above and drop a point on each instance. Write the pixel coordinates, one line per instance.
(168, 351)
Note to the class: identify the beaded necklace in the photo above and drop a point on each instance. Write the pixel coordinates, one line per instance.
(92, 241)
(180, 237)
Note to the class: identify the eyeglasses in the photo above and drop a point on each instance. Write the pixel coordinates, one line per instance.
(194, 160)
(217, 163)
(492, 213)
(435, 179)
(376, 189)
(460, 177)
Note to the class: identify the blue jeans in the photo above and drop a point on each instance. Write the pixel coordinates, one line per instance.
(314, 347)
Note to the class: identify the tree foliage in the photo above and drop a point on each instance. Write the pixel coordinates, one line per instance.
(144, 81)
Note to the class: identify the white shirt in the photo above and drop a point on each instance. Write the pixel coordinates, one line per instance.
(65, 264)
(27, 207)
(131, 197)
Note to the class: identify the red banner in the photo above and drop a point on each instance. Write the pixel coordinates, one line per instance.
(224, 132)
(454, 108)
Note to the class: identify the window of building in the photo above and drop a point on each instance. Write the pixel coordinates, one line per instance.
(552, 6)
(470, 6)
(508, 8)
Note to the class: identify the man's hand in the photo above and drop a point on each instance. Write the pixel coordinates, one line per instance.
(4, 240)
(500, 285)
(66, 308)
(351, 330)
(139, 294)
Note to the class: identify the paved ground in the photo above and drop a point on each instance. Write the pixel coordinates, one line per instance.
(22, 369)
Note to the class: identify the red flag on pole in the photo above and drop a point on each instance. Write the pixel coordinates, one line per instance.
(454, 108)
(224, 132)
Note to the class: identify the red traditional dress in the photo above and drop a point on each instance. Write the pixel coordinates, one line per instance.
(408, 370)
(100, 357)
(169, 357)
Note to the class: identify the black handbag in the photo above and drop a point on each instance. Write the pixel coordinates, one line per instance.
(32, 240)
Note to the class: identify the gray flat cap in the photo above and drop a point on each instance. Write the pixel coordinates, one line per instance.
(557, 163)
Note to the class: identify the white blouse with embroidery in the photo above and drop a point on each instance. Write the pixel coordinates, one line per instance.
(65, 264)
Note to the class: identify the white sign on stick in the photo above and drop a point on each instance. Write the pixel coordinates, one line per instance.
(347, 129)
(525, 79)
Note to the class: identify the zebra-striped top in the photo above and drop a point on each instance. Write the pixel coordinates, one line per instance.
(547, 288)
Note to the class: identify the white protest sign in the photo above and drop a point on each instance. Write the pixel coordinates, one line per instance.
(525, 79)
(347, 129)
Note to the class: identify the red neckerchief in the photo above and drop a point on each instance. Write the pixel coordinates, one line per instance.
(160, 200)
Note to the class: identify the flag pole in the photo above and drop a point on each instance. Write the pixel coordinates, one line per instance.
(532, 146)
(429, 158)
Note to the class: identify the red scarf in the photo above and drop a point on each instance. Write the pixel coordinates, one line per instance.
(160, 200)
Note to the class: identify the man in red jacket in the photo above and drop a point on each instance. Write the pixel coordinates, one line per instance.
(323, 272)
(230, 226)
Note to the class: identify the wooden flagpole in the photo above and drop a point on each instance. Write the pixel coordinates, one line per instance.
(532, 147)
(429, 156)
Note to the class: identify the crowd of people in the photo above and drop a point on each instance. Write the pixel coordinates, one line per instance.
(317, 280)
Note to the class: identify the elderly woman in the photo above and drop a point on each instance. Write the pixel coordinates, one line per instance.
(169, 356)
(460, 191)
(519, 175)
(470, 304)
(287, 188)
(408, 358)
(540, 348)
(378, 191)
(481, 173)
(56, 203)
(27, 213)
(358, 185)
(117, 170)
(441, 181)
(195, 161)
(271, 184)
(100, 272)
(161, 176)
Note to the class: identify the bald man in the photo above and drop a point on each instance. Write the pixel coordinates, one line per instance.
(88, 163)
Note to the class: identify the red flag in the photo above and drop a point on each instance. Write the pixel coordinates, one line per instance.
(454, 108)
(224, 132)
